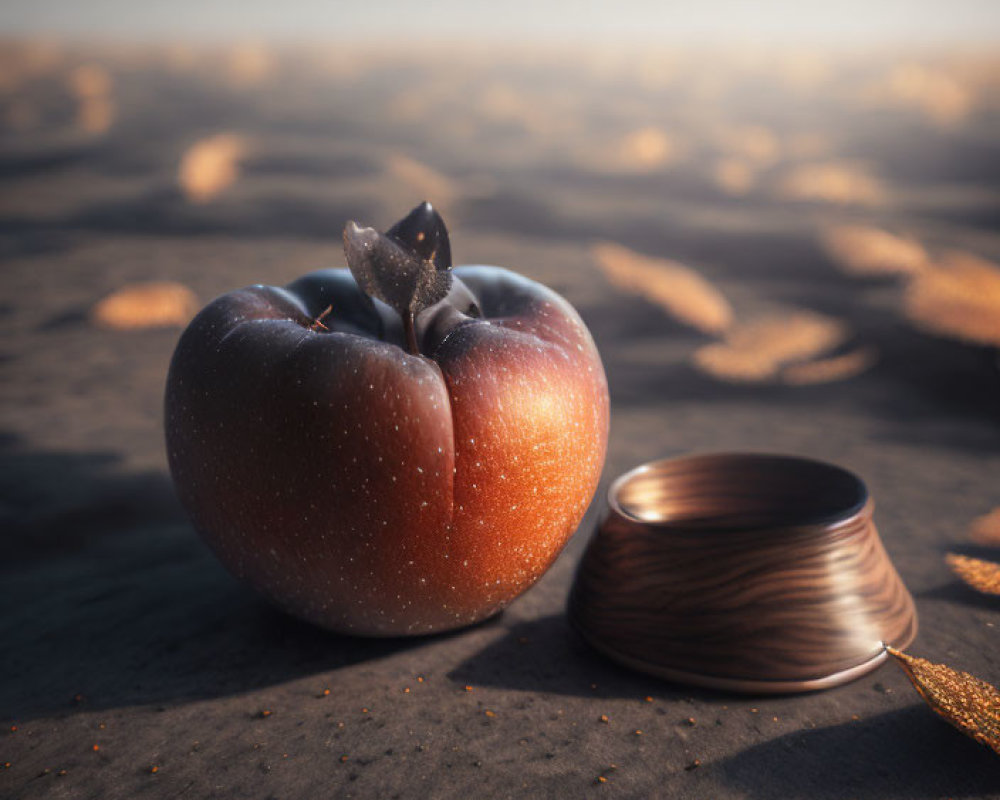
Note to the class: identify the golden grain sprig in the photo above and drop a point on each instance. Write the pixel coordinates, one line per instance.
(977, 573)
(971, 705)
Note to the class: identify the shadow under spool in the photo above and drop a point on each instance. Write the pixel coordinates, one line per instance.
(742, 572)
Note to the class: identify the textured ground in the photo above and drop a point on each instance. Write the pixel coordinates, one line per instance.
(120, 630)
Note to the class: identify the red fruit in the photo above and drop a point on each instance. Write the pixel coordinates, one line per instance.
(370, 489)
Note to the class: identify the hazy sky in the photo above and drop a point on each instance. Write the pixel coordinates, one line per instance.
(863, 21)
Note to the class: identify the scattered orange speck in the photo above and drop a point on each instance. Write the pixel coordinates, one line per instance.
(96, 747)
(649, 699)
(61, 773)
(78, 698)
(691, 721)
(6, 765)
(154, 769)
(468, 688)
(406, 690)
(326, 693)
(638, 732)
(693, 765)
(364, 710)
(601, 779)
(13, 728)
(604, 718)
(343, 759)
(754, 710)
(266, 712)
(101, 726)
(490, 713)
(420, 678)
(855, 717)
(774, 719)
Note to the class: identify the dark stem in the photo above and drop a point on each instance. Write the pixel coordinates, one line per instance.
(411, 333)
(318, 322)
(408, 267)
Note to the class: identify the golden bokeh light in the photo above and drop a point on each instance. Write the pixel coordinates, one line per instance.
(249, 64)
(734, 176)
(986, 529)
(647, 148)
(863, 250)
(679, 290)
(933, 92)
(146, 305)
(211, 165)
(92, 86)
(959, 298)
(830, 370)
(839, 182)
(754, 143)
(756, 350)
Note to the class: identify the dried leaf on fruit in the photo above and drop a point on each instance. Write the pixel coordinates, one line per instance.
(971, 705)
(977, 573)
(408, 267)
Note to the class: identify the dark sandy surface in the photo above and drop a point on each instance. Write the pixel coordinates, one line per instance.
(119, 629)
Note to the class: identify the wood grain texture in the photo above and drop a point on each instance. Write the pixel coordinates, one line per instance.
(744, 572)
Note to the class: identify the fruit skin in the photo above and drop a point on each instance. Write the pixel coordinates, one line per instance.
(376, 492)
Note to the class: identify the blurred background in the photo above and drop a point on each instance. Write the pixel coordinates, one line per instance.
(784, 205)
(780, 220)
(780, 205)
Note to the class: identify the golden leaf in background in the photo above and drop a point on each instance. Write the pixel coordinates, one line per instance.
(971, 705)
(680, 291)
(986, 529)
(756, 350)
(211, 165)
(734, 366)
(978, 573)
(146, 305)
(829, 370)
(862, 250)
(960, 298)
